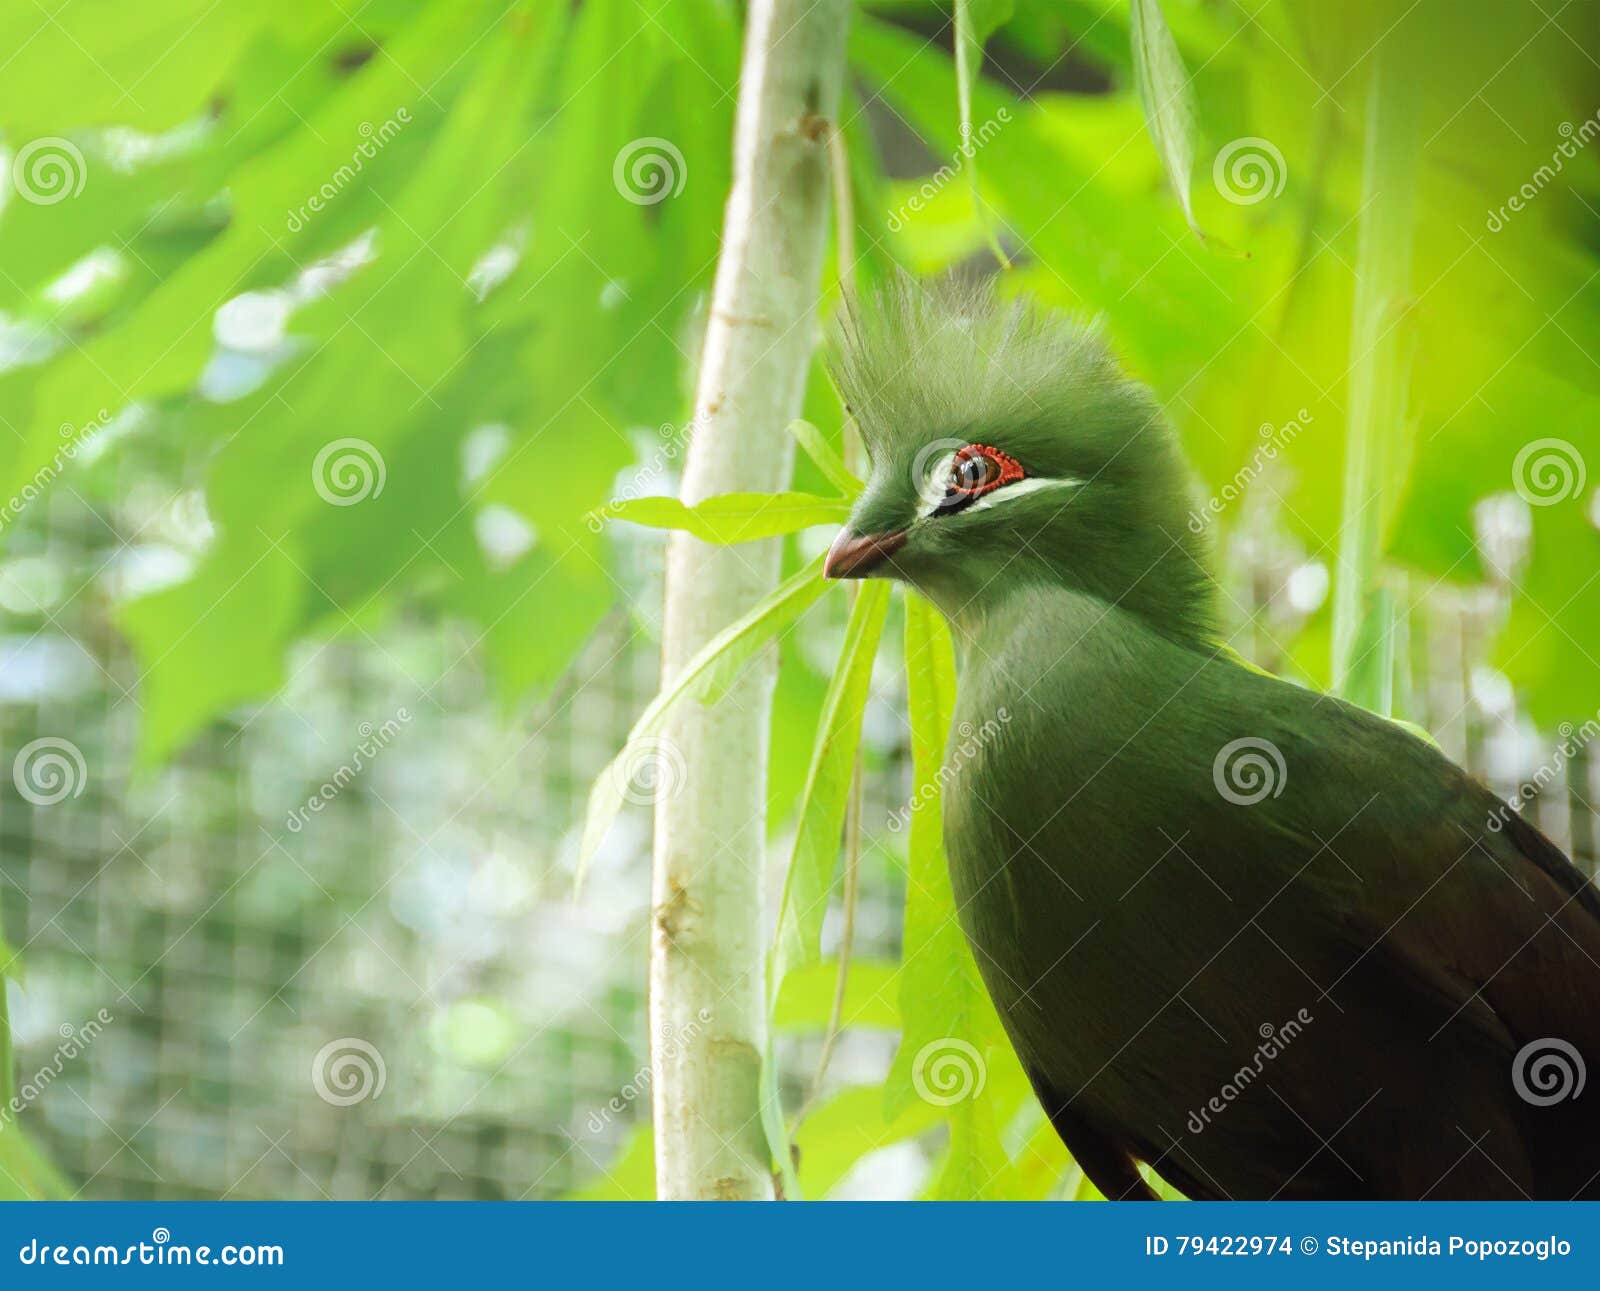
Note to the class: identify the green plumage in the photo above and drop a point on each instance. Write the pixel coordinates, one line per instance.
(1317, 973)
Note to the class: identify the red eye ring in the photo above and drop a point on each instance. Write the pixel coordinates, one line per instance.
(999, 469)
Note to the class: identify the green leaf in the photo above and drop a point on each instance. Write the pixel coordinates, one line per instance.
(1041, 1166)
(821, 453)
(976, 21)
(1163, 85)
(109, 63)
(26, 1174)
(975, 1166)
(213, 641)
(827, 792)
(941, 995)
(816, 844)
(631, 1177)
(847, 1127)
(953, 1052)
(708, 675)
(1377, 430)
(773, 1124)
(10, 962)
(805, 997)
(732, 517)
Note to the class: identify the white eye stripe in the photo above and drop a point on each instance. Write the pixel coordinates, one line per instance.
(932, 490)
(999, 496)
(1032, 484)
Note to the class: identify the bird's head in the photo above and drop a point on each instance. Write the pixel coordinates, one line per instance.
(1008, 450)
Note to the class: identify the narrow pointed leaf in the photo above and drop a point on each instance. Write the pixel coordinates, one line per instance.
(939, 985)
(1163, 85)
(733, 517)
(976, 21)
(805, 997)
(816, 847)
(711, 670)
(847, 1127)
(827, 791)
(821, 453)
(26, 1174)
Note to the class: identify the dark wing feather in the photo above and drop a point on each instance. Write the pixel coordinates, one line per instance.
(1470, 907)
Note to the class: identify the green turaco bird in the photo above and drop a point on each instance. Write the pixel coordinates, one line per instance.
(1261, 940)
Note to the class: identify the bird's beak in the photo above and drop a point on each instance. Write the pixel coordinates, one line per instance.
(856, 555)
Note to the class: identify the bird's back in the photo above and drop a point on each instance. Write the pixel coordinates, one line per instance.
(1264, 941)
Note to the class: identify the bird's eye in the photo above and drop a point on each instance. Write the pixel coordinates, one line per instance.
(977, 469)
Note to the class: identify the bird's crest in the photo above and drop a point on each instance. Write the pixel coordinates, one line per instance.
(913, 361)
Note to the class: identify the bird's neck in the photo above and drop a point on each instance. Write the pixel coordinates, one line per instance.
(982, 622)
